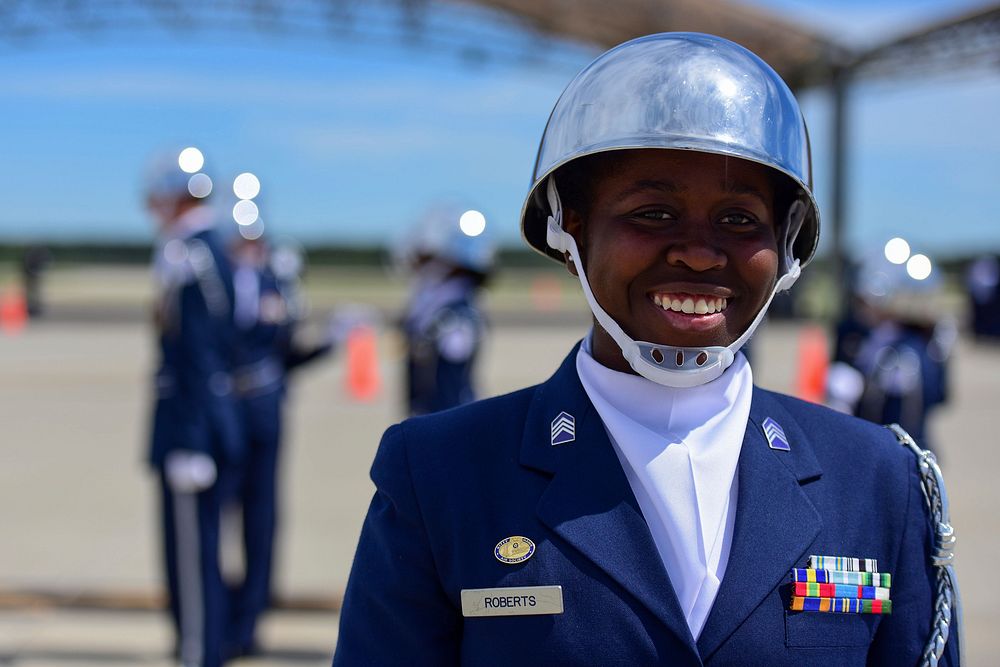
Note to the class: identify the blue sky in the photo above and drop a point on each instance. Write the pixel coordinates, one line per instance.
(352, 140)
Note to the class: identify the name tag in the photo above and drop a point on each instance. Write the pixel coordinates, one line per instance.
(515, 601)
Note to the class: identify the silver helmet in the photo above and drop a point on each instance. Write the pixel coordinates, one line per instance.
(456, 235)
(177, 174)
(676, 91)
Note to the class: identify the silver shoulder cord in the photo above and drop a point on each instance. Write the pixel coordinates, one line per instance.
(947, 602)
(212, 289)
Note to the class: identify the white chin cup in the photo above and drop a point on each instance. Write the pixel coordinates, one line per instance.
(669, 365)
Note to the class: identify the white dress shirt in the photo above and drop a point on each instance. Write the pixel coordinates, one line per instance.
(679, 449)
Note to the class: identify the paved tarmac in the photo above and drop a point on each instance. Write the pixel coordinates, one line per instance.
(79, 572)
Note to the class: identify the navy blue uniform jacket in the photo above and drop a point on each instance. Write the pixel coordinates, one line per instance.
(195, 407)
(435, 382)
(450, 486)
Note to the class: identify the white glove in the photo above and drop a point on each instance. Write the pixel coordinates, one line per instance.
(844, 386)
(338, 327)
(346, 319)
(189, 471)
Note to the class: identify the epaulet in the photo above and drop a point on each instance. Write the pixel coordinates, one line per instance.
(947, 601)
(459, 312)
(202, 263)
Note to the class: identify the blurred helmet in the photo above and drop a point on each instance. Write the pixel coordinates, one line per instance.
(177, 174)
(453, 235)
(908, 291)
(676, 91)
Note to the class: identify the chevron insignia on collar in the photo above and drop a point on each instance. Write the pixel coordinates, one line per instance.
(563, 429)
(775, 435)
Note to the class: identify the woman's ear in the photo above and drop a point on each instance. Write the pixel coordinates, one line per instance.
(573, 224)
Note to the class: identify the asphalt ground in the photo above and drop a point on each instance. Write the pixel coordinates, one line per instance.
(79, 574)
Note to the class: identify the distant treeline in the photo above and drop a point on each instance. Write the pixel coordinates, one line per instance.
(317, 255)
(327, 255)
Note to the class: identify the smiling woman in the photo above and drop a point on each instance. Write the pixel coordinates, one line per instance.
(684, 245)
(692, 98)
(676, 513)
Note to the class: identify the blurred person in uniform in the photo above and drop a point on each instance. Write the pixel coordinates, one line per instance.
(647, 504)
(854, 325)
(450, 257)
(983, 283)
(892, 349)
(267, 314)
(34, 262)
(197, 439)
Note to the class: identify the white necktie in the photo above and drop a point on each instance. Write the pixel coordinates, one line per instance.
(680, 515)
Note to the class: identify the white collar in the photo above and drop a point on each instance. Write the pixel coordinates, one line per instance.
(688, 413)
(691, 520)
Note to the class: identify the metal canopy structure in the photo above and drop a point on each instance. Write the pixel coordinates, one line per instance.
(969, 40)
(802, 57)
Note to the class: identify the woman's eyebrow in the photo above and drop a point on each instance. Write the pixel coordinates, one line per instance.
(737, 188)
(731, 187)
(644, 186)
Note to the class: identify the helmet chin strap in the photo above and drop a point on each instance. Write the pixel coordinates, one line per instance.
(670, 365)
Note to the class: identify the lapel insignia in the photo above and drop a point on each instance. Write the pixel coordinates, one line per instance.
(775, 435)
(514, 549)
(837, 584)
(563, 429)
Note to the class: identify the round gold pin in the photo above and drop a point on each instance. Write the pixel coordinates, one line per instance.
(514, 549)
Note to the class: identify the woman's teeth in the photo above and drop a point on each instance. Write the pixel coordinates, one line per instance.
(701, 305)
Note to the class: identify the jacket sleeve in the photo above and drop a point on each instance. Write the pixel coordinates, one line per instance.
(206, 413)
(395, 610)
(194, 371)
(902, 636)
(297, 356)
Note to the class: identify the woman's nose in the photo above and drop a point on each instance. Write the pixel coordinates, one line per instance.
(696, 253)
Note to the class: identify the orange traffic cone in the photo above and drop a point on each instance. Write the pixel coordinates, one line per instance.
(362, 381)
(546, 293)
(13, 311)
(813, 362)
